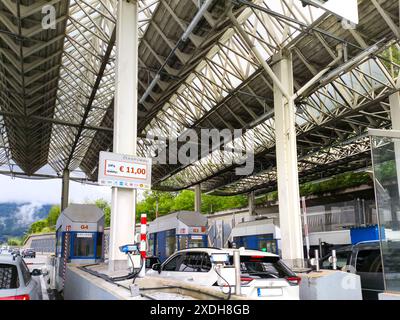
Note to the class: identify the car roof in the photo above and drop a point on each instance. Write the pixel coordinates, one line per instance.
(9, 259)
(243, 251)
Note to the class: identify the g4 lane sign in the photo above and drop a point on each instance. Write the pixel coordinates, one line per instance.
(124, 171)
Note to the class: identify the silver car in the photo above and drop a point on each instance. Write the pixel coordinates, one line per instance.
(16, 281)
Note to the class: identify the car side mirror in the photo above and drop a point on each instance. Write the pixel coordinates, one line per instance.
(44, 271)
(156, 267)
(36, 272)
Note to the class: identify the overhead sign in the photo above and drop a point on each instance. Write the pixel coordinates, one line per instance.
(124, 171)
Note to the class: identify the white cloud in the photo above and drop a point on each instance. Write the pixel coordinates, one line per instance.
(49, 191)
(26, 213)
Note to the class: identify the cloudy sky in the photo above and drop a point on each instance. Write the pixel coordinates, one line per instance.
(48, 191)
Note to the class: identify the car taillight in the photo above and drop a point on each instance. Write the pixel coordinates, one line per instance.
(20, 297)
(294, 280)
(244, 281)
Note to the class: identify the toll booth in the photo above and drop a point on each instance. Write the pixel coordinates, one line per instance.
(177, 231)
(79, 238)
(258, 235)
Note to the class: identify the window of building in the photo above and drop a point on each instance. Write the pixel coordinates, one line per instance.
(83, 245)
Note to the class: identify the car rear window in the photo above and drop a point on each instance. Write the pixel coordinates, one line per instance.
(263, 267)
(8, 276)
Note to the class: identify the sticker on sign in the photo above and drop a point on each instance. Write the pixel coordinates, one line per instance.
(84, 235)
(124, 171)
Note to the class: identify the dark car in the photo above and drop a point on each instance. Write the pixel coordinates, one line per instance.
(365, 259)
(16, 252)
(29, 253)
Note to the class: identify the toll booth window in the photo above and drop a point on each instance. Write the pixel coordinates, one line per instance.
(99, 245)
(196, 242)
(171, 242)
(269, 245)
(183, 242)
(59, 242)
(151, 243)
(83, 245)
(8, 276)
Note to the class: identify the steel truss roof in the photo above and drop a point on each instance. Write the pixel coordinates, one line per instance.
(56, 100)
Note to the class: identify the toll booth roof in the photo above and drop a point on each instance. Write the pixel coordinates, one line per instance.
(89, 213)
(261, 226)
(170, 221)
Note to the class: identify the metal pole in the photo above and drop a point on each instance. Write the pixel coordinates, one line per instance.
(156, 206)
(305, 223)
(197, 198)
(236, 263)
(316, 254)
(251, 199)
(394, 101)
(143, 243)
(320, 246)
(334, 266)
(65, 190)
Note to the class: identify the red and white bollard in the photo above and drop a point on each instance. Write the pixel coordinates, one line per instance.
(143, 243)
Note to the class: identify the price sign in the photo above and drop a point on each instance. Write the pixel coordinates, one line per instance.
(124, 171)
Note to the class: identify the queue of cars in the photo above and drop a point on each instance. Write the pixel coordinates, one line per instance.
(17, 282)
(263, 275)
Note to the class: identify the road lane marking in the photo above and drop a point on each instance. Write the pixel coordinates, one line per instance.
(44, 288)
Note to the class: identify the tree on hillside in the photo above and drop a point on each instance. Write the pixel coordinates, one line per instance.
(37, 226)
(149, 204)
(53, 215)
(14, 242)
(184, 201)
(105, 206)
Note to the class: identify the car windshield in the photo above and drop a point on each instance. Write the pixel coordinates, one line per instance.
(263, 267)
(8, 276)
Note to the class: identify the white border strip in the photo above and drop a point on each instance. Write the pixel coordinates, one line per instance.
(384, 133)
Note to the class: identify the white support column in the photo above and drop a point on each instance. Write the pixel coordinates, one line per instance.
(123, 204)
(65, 189)
(197, 198)
(252, 202)
(394, 101)
(286, 157)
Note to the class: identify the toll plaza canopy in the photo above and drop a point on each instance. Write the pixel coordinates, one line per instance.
(57, 85)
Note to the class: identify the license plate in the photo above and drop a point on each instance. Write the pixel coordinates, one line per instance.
(269, 292)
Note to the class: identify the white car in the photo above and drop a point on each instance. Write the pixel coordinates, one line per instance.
(263, 275)
(16, 281)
